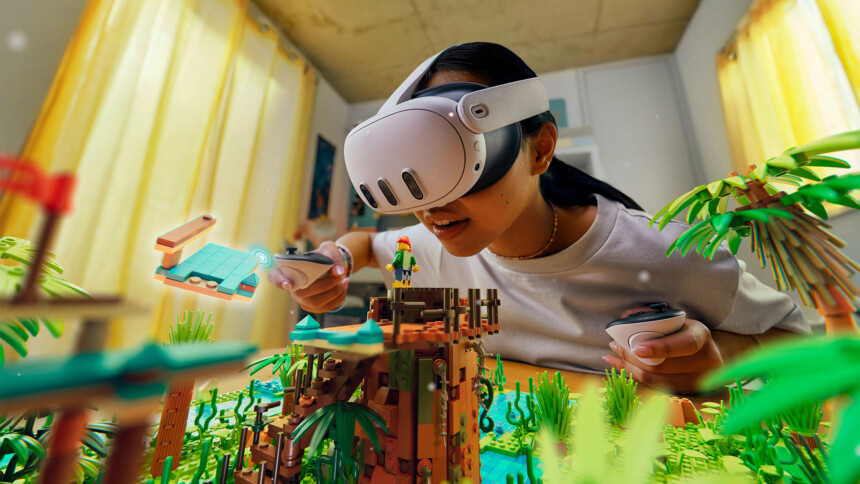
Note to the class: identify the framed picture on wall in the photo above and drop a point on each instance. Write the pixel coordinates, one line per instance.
(321, 185)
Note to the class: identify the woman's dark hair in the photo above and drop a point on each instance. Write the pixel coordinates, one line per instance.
(561, 184)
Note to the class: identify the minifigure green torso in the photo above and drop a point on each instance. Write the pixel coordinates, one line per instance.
(404, 259)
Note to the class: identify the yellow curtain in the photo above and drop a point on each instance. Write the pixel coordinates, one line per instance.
(783, 81)
(165, 110)
(842, 18)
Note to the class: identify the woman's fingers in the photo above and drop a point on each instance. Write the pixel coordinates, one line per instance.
(325, 301)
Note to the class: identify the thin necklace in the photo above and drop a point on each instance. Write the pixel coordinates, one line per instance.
(545, 247)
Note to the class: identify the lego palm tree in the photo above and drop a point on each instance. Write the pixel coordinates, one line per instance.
(803, 254)
(16, 331)
(171, 429)
(338, 422)
(285, 365)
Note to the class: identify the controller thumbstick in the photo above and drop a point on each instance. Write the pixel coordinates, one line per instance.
(659, 307)
(292, 250)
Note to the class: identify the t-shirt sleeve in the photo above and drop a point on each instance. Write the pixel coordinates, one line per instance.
(757, 308)
(426, 250)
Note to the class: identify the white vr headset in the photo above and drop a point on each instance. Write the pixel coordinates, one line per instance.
(427, 149)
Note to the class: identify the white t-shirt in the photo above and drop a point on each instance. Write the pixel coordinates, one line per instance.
(554, 309)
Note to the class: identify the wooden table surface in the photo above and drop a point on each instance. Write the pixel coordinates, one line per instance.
(521, 372)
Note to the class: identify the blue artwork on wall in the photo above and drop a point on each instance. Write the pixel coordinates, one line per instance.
(558, 108)
(321, 186)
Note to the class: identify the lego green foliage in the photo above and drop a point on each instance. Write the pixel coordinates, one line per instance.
(804, 418)
(337, 421)
(499, 374)
(17, 256)
(810, 369)
(525, 422)
(284, 364)
(193, 327)
(595, 458)
(553, 408)
(621, 397)
(23, 447)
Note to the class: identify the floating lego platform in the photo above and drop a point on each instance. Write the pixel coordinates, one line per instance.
(214, 270)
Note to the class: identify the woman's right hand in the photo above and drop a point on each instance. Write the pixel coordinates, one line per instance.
(326, 293)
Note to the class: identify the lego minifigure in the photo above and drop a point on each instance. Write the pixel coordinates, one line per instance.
(403, 263)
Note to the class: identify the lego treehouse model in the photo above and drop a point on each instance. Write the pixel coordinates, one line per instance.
(418, 362)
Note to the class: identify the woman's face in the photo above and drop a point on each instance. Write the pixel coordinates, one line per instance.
(469, 224)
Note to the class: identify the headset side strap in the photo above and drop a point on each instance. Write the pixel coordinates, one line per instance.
(496, 107)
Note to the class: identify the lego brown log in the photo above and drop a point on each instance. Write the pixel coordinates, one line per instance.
(279, 446)
(171, 426)
(261, 477)
(309, 376)
(63, 453)
(287, 403)
(225, 468)
(124, 462)
(299, 388)
(185, 233)
(30, 292)
(240, 454)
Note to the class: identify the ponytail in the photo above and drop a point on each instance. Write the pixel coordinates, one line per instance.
(565, 186)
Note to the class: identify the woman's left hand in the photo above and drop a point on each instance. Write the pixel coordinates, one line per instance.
(690, 354)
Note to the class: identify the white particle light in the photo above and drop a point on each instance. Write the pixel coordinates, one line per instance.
(431, 387)
(16, 41)
(644, 276)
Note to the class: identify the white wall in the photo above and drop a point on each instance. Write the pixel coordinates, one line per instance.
(634, 110)
(696, 57)
(33, 38)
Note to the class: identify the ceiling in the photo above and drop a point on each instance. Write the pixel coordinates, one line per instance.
(366, 48)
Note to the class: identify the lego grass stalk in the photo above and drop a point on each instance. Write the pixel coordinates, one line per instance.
(621, 397)
(786, 231)
(594, 458)
(553, 408)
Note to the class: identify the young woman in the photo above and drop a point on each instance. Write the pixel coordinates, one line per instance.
(568, 254)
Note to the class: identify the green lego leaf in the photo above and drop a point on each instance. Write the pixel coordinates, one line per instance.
(734, 241)
(838, 142)
(58, 287)
(805, 173)
(322, 429)
(11, 337)
(827, 162)
(365, 422)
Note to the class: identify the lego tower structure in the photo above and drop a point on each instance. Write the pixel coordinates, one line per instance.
(419, 362)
